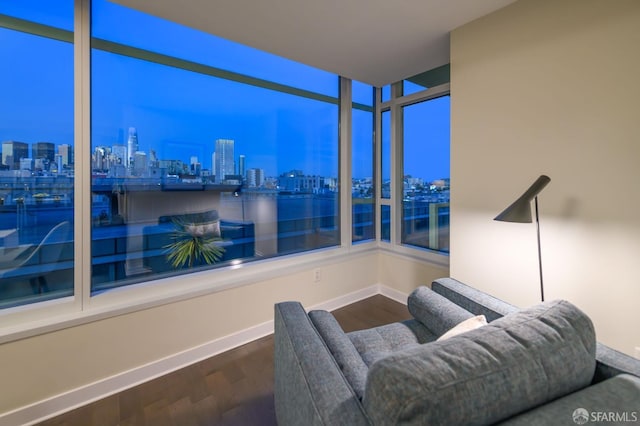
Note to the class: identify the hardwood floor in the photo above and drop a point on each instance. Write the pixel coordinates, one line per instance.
(232, 388)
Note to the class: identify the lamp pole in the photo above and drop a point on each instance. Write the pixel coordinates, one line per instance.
(539, 250)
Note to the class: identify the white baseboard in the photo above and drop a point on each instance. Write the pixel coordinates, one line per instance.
(393, 294)
(347, 299)
(75, 398)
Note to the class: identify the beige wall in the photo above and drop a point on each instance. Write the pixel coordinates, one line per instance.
(39, 367)
(551, 87)
(43, 366)
(404, 274)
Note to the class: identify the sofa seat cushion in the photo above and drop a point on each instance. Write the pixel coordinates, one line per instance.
(486, 375)
(613, 401)
(378, 342)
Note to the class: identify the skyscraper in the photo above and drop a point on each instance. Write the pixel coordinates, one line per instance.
(223, 159)
(241, 165)
(99, 158)
(59, 165)
(45, 150)
(255, 178)
(153, 158)
(66, 153)
(13, 152)
(132, 145)
(194, 165)
(120, 153)
(140, 165)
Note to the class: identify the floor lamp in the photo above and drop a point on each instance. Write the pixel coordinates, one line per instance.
(520, 211)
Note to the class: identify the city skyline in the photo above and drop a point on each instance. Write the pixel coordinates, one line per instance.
(64, 154)
(180, 113)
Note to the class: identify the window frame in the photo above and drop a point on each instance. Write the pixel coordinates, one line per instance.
(83, 307)
(395, 106)
(349, 133)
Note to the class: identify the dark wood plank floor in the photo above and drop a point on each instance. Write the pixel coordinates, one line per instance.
(232, 388)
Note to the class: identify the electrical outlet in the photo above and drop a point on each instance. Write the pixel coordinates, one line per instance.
(636, 353)
(317, 275)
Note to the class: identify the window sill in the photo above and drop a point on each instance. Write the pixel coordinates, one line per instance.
(45, 317)
(32, 320)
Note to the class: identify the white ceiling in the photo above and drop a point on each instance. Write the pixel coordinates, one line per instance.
(373, 41)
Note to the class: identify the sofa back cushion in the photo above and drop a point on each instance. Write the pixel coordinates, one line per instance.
(485, 375)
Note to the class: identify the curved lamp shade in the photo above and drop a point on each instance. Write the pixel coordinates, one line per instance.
(520, 210)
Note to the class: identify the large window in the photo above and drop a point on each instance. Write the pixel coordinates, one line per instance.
(425, 195)
(37, 167)
(193, 153)
(414, 163)
(194, 167)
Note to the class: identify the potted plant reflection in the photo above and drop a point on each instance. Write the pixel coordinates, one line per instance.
(194, 244)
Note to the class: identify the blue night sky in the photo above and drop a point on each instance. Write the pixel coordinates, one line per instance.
(180, 114)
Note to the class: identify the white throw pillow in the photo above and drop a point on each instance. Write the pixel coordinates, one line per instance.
(466, 325)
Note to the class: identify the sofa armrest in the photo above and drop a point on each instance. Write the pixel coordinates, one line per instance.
(341, 347)
(618, 395)
(309, 386)
(434, 311)
(610, 363)
(471, 299)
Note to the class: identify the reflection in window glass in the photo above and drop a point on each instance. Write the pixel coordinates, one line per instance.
(386, 93)
(36, 171)
(362, 93)
(408, 87)
(130, 27)
(58, 14)
(426, 185)
(385, 223)
(386, 154)
(192, 171)
(363, 184)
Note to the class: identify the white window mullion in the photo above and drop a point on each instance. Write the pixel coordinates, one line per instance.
(82, 180)
(396, 164)
(377, 158)
(345, 141)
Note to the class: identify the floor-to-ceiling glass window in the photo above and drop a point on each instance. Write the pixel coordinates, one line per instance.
(204, 152)
(426, 172)
(37, 136)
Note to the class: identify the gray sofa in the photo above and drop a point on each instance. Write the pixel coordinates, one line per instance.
(536, 366)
